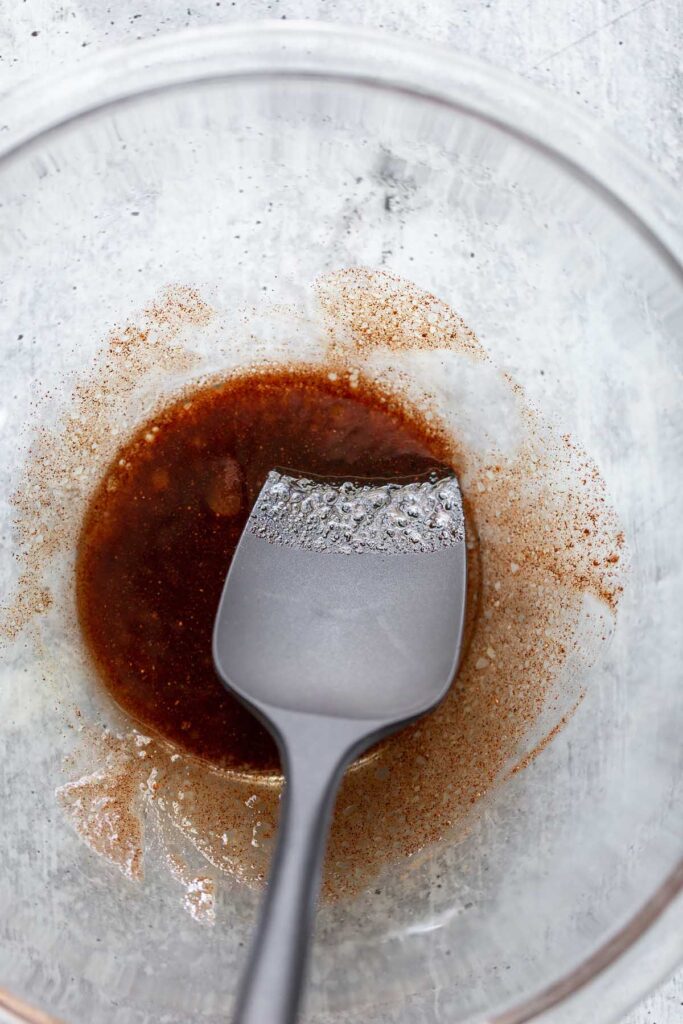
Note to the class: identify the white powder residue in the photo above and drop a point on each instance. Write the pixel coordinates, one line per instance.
(103, 807)
(200, 899)
(199, 896)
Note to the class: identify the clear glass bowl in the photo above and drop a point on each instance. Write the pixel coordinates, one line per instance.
(254, 159)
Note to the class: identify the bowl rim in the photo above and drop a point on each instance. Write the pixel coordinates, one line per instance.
(643, 194)
(638, 192)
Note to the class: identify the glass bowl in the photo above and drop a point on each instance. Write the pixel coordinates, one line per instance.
(243, 163)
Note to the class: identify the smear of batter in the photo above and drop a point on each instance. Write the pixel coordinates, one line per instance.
(546, 559)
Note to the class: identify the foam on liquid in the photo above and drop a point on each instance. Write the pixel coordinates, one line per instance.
(349, 518)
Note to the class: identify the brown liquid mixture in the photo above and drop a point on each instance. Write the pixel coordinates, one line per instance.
(162, 528)
(541, 536)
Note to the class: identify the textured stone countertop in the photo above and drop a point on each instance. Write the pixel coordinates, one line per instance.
(618, 59)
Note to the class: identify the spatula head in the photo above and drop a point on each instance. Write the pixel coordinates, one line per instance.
(345, 601)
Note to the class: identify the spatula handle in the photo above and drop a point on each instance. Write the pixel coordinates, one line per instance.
(273, 981)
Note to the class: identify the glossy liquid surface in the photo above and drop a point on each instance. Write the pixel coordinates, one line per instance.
(161, 530)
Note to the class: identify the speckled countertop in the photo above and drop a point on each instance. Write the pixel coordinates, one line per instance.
(620, 60)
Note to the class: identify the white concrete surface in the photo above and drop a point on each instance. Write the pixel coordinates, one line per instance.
(619, 59)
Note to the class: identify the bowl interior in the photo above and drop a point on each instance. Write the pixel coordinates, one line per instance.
(247, 190)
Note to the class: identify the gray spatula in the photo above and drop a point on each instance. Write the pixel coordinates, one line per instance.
(340, 621)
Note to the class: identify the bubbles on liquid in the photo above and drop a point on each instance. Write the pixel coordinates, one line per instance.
(393, 518)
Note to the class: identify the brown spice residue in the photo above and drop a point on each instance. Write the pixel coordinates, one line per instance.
(104, 808)
(31, 598)
(63, 463)
(525, 761)
(542, 542)
(372, 309)
(573, 536)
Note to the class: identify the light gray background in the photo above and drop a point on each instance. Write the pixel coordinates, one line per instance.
(617, 59)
